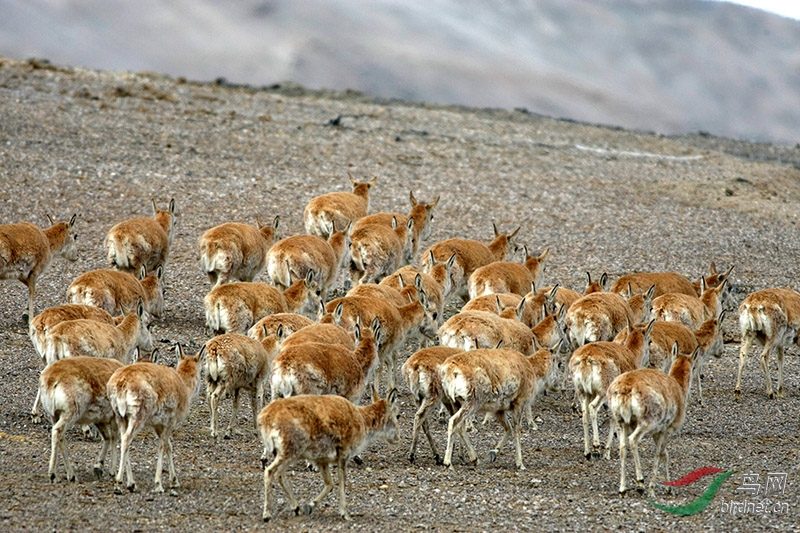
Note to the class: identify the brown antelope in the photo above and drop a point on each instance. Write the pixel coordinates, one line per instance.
(594, 366)
(26, 251)
(40, 326)
(117, 291)
(321, 333)
(421, 213)
(531, 312)
(99, 339)
(434, 284)
(421, 373)
(665, 335)
(235, 251)
(649, 402)
(322, 368)
(713, 279)
(595, 286)
(770, 317)
(495, 381)
(141, 242)
(667, 282)
(470, 255)
(691, 310)
(156, 396)
(507, 276)
(42, 323)
(398, 298)
(235, 307)
(289, 322)
(377, 251)
(551, 330)
(469, 330)
(397, 324)
(235, 362)
(73, 391)
(597, 316)
(563, 296)
(292, 258)
(337, 209)
(324, 430)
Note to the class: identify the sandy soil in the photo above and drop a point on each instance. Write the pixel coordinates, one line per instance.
(104, 144)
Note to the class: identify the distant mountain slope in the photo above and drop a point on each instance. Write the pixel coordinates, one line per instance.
(666, 65)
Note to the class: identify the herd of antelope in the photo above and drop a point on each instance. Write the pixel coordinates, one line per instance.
(634, 345)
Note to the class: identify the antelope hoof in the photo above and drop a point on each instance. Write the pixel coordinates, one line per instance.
(345, 516)
(158, 489)
(266, 517)
(35, 418)
(132, 488)
(297, 511)
(640, 486)
(357, 460)
(411, 457)
(307, 508)
(438, 459)
(118, 489)
(492, 456)
(72, 479)
(52, 477)
(98, 473)
(737, 395)
(771, 395)
(264, 463)
(780, 394)
(227, 436)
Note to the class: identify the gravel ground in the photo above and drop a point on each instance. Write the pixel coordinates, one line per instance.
(104, 144)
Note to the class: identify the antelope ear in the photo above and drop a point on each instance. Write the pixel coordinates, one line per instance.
(276, 221)
(557, 347)
(142, 273)
(411, 198)
(338, 312)
(514, 233)
(392, 397)
(434, 203)
(374, 394)
(544, 254)
(494, 227)
(75, 216)
(179, 351)
(172, 206)
(155, 207)
(50, 219)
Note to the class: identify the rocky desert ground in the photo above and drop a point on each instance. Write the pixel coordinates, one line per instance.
(105, 144)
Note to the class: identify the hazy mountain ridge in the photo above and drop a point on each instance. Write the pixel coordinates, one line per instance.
(668, 66)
